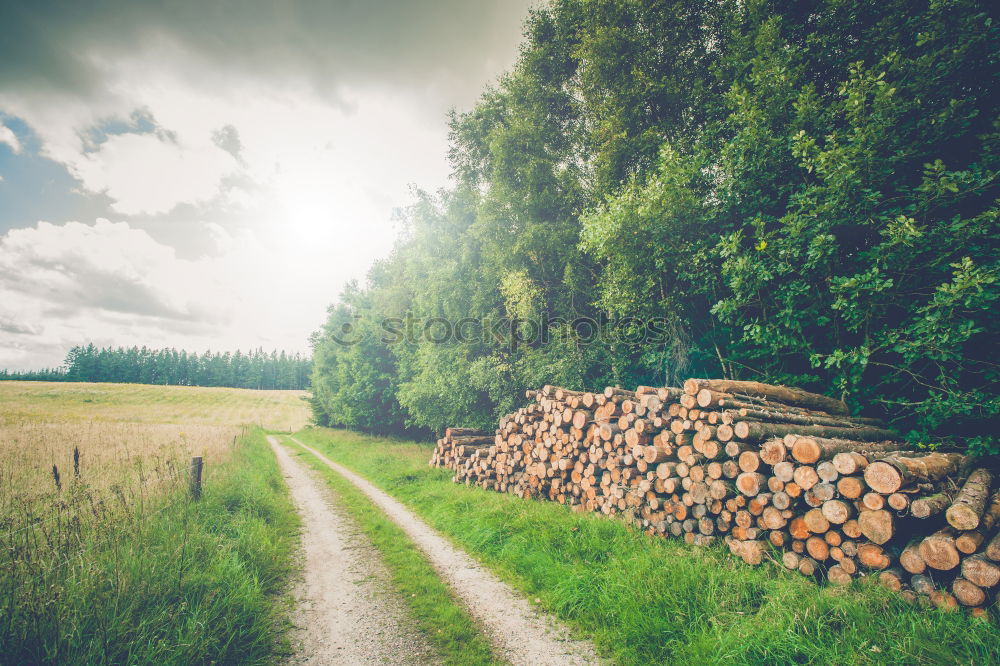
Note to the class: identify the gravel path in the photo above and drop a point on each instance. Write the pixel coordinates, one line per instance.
(345, 612)
(520, 634)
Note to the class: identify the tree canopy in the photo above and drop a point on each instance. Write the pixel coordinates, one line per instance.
(795, 192)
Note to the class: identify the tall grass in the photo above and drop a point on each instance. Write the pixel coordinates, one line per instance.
(166, 580)
(647, 600)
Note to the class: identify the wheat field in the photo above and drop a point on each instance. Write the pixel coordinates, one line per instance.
(67, 448)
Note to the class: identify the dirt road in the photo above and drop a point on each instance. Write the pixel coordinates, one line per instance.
(346, 612)
(520, 634)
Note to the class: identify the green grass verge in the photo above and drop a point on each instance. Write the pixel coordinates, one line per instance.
(648, 600)
(447, 625)
(184, 582)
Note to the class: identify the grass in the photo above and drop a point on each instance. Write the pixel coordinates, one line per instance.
(448, 627)
(168, 581)
(145, 403)
(647, 600)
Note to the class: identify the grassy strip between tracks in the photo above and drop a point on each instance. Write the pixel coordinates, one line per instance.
(449, 628)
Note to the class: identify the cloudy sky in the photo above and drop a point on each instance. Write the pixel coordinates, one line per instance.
(209, 174)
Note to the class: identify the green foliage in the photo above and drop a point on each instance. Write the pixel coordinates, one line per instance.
(646, 600)
(798, 192)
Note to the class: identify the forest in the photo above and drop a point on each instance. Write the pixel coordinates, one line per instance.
(255, 369)
(792, 192)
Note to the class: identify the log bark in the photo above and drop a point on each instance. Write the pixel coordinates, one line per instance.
(759, 430)
(780, 394)
(911, 559)
(808, 566)
(991, 517)
(460, 432)
(970, 541)
(779, 416)
(922, 584)
(811, 447)
(926, 507)
(993, 548)
(890, 474)
(893, 578)
(970, 503)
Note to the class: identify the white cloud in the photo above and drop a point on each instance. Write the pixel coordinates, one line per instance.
(110, 283)
(150, 174)
(8, 137)
(324, 125)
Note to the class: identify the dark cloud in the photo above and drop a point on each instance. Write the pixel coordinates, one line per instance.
(228, 138)
(9, 324)
(449, 43)
(91, 287)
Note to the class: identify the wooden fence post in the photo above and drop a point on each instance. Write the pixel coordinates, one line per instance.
(196, 464)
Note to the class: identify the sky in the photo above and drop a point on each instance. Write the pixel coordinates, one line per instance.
(210, 174)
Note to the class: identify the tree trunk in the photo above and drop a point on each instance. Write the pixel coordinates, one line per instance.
(893, 472)
(993, 548)
(781, 394)
(893, 578)
(849, 462)
(777, 416)
(460, 432)
(981, 570)
(878, 526)
(836, 511)
(873, 556)
(773, 451)
(759, 430)
(808, 449)
(911, 560)
(925, 507)
(968, 593)
(939, 551)
(967, 509)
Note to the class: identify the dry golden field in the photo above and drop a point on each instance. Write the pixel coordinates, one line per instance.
(131, 439)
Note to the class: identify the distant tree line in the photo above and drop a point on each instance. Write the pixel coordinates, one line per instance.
(254, 369)
(43, 375)
(795, 192)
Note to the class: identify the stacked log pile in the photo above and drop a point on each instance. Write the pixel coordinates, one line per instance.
(755, 466)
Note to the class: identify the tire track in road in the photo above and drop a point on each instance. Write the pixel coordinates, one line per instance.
(346, 612)
(520, 633)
